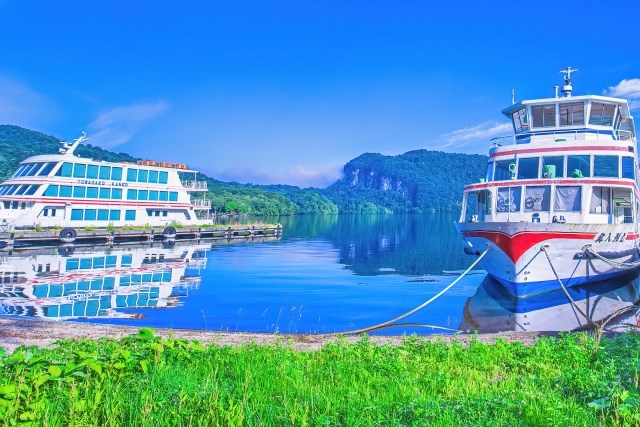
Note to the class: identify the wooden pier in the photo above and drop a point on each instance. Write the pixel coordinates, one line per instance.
(25, 238)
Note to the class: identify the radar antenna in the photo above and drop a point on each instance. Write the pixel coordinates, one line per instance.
(567, 88)
(68, 148)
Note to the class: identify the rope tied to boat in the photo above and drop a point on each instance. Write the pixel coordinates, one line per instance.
(616, 264)
(420, 307)
(566, 292)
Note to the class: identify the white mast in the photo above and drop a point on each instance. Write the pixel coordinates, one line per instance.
(68, 149)
(567, 88)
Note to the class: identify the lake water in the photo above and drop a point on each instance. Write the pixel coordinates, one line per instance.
(326, 274)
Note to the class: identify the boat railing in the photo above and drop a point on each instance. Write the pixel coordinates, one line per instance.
(201, 204)
(195, 185)
(563, 136)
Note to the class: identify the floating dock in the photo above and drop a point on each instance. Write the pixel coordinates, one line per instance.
(24, 238)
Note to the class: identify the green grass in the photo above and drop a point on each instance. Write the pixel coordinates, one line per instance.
(144, 380)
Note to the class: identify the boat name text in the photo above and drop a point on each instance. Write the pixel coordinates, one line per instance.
(95, 182)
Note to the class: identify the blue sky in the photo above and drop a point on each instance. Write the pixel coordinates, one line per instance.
(289, 91)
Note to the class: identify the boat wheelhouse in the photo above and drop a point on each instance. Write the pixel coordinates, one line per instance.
(560, 194)
(64, 190)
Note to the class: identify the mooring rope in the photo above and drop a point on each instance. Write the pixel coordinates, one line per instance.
(389, 323)
(615, 264)
(573, 303)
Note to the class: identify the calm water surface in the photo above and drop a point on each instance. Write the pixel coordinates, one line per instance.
(326, 274)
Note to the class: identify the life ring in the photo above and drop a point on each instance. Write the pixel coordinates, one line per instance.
(169, 232)
(68, 235)
(66, 249)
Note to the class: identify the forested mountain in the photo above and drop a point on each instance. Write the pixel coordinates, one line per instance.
(417, 181)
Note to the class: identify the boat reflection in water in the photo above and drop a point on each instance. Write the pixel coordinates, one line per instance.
(68, 283)
(494, 309)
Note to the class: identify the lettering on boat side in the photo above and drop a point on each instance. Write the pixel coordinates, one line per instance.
(610, 237)
(96, 182)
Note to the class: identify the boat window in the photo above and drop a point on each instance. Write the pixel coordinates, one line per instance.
(65, 169)
(543, 115)
(143, 195)
(627, 168)
(626, 130)
(605, 166)
(105, 172)
(520, 120)
(92, 171)
(164, 177)
(153, 177)
(490, 172)
(46, 170)
(90, 215)
(572, 113)
(76, 214)
(600, 200)
(164, 196)
(129, 215)
(528, 168)
(65, 191)
(578, 166)
(153, 195)
(508, 199)
(33, 170)
(537, 198)
(505, 170)
(32, 190)
(601, 114)
(132, 194)
(553, 167)
(568, 198)
(164, 213)
(114, 215)
(142, 175)
(116, 193)
(79, 170)
(623, 206)
(173, 196)
(79, 192)
(485, 201)
(105, 193)
(12, 190)
(17, 172)
(21, 190)
(116, 174)
(471, 211)
(132, 174)
(92, 192)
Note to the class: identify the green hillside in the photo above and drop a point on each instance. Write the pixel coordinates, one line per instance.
(417, 181)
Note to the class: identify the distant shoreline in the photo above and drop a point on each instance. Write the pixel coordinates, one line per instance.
(16, 332)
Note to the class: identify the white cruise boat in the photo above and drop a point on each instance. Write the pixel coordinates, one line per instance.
(559, 204)
(64, 190)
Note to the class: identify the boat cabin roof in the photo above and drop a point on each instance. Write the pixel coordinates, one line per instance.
(623, 105)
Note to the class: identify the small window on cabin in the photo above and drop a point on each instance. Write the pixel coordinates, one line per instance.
(572, 114)
(34, 170)
(173, 196)
(153, 195)
(130, 215)
(92, 192)
(92, 171)
(627, 168)
(66, 169)
(568, 198)
(132, 194)
(18, 171)
(553, 167)
(116, 194)
(114, 215)
(605, 166)
(164, 177)
(116, 174)
(76, 214)
(105, 172)
(142, 175)
(21, 190)
(164, 213)
(103, 214)
(578, 166)
(490, 172)
(537, 198)
(601, 114)
(505, 170)
(143, 195)
(520, 120)
(508, 199)
(90, 215)
(600, 200)
(132, 175)
(105, 193)
(32, 190)
(528, 168)
(79, 170)
(79, 192)
(65, 191)
(45, 212)
(164, 196)
(153, 177)
(543, 116)
(46, 170)
(485, 201)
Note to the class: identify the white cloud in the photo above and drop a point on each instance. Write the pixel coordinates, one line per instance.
(482, 132)
(22, 106)
(301, 176)
(118, 125)
(625, 89)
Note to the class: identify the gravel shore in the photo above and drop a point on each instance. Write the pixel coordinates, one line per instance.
(15, 332)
